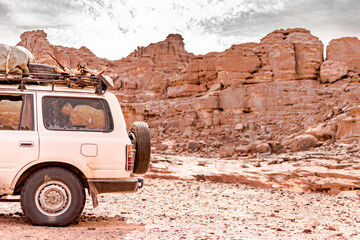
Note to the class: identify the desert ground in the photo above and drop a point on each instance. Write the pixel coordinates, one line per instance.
(178, 209)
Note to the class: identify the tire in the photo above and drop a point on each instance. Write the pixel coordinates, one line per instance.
(59, 185)
(42, 68)
(142, 146)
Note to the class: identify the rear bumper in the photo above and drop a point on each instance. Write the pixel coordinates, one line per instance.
(116, 185)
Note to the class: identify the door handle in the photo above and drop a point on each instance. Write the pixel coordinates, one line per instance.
(26, 144)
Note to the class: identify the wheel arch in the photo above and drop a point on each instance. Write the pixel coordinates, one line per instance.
(24, 176)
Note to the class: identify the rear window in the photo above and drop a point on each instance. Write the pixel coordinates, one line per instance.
(76, 114)
(16, 112)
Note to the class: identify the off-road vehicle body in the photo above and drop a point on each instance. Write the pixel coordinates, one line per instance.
(57, 141)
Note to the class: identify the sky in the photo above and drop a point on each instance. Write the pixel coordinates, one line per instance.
(114, 28)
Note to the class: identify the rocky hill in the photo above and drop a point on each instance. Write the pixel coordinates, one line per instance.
(273, 96)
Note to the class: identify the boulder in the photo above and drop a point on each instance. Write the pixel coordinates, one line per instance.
(161, 147)
(226, 151)
(243, 149)
(194, 146)
(276, 147)
(303, 142)
(322, 132)
(239, 126)
(332, 71)
(348, 128)
(262, 148)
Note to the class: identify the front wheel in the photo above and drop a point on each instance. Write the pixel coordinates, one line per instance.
(52, 196)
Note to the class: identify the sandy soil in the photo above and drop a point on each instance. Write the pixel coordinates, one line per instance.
(173, 209)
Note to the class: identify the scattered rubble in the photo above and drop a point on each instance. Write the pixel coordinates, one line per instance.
(173, 209)
(327, 169)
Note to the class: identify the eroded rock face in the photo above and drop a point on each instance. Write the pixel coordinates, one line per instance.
(302, 54)
(36, 42)
(245, 100)
(282, 60)
(346, 50)
(292, 54)
(240, 59)
(332, 71)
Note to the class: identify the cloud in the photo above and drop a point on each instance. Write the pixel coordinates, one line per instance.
(326, 19)
(114, 28)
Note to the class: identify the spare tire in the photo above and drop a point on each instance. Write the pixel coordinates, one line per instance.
(42, 69)
(142, 146)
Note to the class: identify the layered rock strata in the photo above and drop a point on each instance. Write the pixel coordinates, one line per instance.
(252, 98)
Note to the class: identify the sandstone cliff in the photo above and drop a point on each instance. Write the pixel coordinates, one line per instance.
(263, 97)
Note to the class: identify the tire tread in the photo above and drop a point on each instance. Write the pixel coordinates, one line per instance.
(143, 147)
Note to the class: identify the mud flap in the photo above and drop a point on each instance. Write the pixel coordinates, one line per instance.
(93, 193)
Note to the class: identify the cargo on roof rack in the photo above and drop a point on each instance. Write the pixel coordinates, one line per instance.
(43, 74)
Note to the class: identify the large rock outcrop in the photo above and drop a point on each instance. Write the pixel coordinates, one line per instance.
(37, 43)
(152, 67)
(244, 100)
(292, 54)
(345, 50)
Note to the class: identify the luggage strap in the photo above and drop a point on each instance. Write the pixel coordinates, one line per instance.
(7, 60)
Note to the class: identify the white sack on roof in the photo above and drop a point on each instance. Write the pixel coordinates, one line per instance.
(18, 58)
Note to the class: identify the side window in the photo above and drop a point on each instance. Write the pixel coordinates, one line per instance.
(16, 112)
(76, 114)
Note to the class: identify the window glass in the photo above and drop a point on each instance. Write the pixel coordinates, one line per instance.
(77, 114)
(16, 112)
(27, 116)
(10, 111)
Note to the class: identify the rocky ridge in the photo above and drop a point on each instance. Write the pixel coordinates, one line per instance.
(274, 96)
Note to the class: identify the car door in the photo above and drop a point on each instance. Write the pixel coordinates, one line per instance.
(79, 130)
(19, 139)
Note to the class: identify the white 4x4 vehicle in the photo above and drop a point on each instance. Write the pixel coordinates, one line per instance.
(57, 141)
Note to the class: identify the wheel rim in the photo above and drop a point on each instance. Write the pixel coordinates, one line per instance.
(53, 198)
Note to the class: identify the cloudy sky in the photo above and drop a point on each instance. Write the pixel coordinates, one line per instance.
(114, 28)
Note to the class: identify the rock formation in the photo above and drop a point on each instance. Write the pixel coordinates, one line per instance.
(271, 96)
(332, 71)
(37, 43)
(345, 50)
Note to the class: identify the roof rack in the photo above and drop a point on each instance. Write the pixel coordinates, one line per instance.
(73, 81)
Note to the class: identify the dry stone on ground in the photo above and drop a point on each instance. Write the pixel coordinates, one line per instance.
(173, 209)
